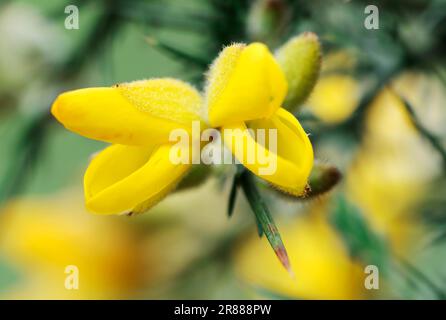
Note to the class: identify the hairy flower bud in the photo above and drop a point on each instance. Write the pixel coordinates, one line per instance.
(322, 179)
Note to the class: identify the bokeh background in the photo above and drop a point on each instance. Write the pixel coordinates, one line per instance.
(378, 114)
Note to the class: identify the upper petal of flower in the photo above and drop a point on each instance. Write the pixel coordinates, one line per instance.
(136, 113)
(123, 179)
(300, 59)
(244, 83)
(289, 165)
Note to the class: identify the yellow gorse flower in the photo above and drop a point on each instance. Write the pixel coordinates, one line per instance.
(245, 89)
(321, 264)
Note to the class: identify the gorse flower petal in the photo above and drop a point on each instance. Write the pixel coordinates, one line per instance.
(123, 179)
(140, 113)
(292, 160)
(244, 83)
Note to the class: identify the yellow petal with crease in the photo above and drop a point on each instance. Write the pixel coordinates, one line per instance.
(143, 113)
(288, 164)
(121, 178)
(244, 83)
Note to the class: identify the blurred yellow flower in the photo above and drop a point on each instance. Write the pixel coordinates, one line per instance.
(42, 237)
(336, 94)
(322, 267)
(340, 61)
(29, 45)
(245, 89)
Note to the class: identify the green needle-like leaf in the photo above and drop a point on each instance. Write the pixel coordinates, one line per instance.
(264, 219)
(417, 274)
